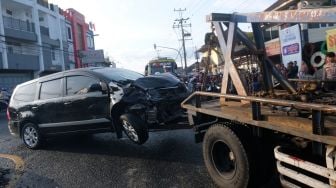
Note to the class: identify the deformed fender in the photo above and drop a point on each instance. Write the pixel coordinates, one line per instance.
(116, 111)
(137, 107)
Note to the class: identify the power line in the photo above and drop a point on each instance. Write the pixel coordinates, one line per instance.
(181, 4)
(34, 45)
(181, 23)
(196, 5)
(196, 10)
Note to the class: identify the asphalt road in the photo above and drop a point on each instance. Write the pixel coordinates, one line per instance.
(167, 159)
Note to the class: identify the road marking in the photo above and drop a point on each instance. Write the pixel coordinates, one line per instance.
(19, 164)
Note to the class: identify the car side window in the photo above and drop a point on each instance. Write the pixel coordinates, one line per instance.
(79, 85)
(51, 89)
(25, 93)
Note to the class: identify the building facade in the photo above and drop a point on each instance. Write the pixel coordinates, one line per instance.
(85, 53)
(39, 38)
(32, 40)
(79, 30)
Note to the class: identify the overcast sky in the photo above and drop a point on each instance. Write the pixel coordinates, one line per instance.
(128, 28)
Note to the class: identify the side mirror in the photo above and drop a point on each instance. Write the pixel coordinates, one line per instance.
(114, 87)
(95, 87)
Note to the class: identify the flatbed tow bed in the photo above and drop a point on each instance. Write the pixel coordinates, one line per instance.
(276, 121)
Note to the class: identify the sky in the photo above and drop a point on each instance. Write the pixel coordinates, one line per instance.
(128, 29)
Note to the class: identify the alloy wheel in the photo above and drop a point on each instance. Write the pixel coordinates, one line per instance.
(30, 136)
(130, 131)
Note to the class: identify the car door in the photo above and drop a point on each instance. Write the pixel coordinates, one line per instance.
(49, 106)
(86, 105)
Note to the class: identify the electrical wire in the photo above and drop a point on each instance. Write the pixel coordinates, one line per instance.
(196, 10)
(35, 45)
(195, 5)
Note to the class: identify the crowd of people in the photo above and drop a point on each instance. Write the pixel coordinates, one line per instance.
(291, 71)
(326, 74)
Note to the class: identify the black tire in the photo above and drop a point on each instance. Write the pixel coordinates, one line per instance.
(31, 136)
(135, 129)
(225, 157)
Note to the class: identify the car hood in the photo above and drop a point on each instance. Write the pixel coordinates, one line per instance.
(157, 81)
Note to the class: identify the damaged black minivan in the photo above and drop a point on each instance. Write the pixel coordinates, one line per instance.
(93, 100)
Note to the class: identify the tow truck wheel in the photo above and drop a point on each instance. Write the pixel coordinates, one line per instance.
(135, 129)
(225, 157)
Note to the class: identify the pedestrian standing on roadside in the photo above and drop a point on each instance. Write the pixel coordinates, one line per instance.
(329, 71)
(290, 70)
(296, 69)
(282, 69)
(304, 71)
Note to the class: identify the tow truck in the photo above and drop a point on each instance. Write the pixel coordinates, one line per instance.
(253, 137)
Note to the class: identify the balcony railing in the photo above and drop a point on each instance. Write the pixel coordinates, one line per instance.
(23, 50)
(17, 24)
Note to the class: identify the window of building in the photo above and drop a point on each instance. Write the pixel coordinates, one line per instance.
(25, 93)
(53, 54)
(9, 12)
(313, 25)
(80, 37)
(79, 85)
(69, 33)
(323, 25)
(14, 48)
(90, 42)
(51, 89)
(52, 7)
(10, 49)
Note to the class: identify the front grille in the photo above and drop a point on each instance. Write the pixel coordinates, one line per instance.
(172, 91)
(152, 115)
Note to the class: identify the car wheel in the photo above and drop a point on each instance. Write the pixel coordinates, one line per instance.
(225, 157)
(135, 129)
(31, 136)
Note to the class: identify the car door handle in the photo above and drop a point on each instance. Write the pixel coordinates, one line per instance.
(34, 107)
(67, 103)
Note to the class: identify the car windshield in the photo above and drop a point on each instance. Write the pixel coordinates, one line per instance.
(121, 76)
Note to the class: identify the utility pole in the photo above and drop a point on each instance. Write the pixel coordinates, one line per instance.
(181, 23)
(197, 64)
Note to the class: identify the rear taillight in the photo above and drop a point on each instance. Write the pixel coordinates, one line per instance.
(8, 115)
